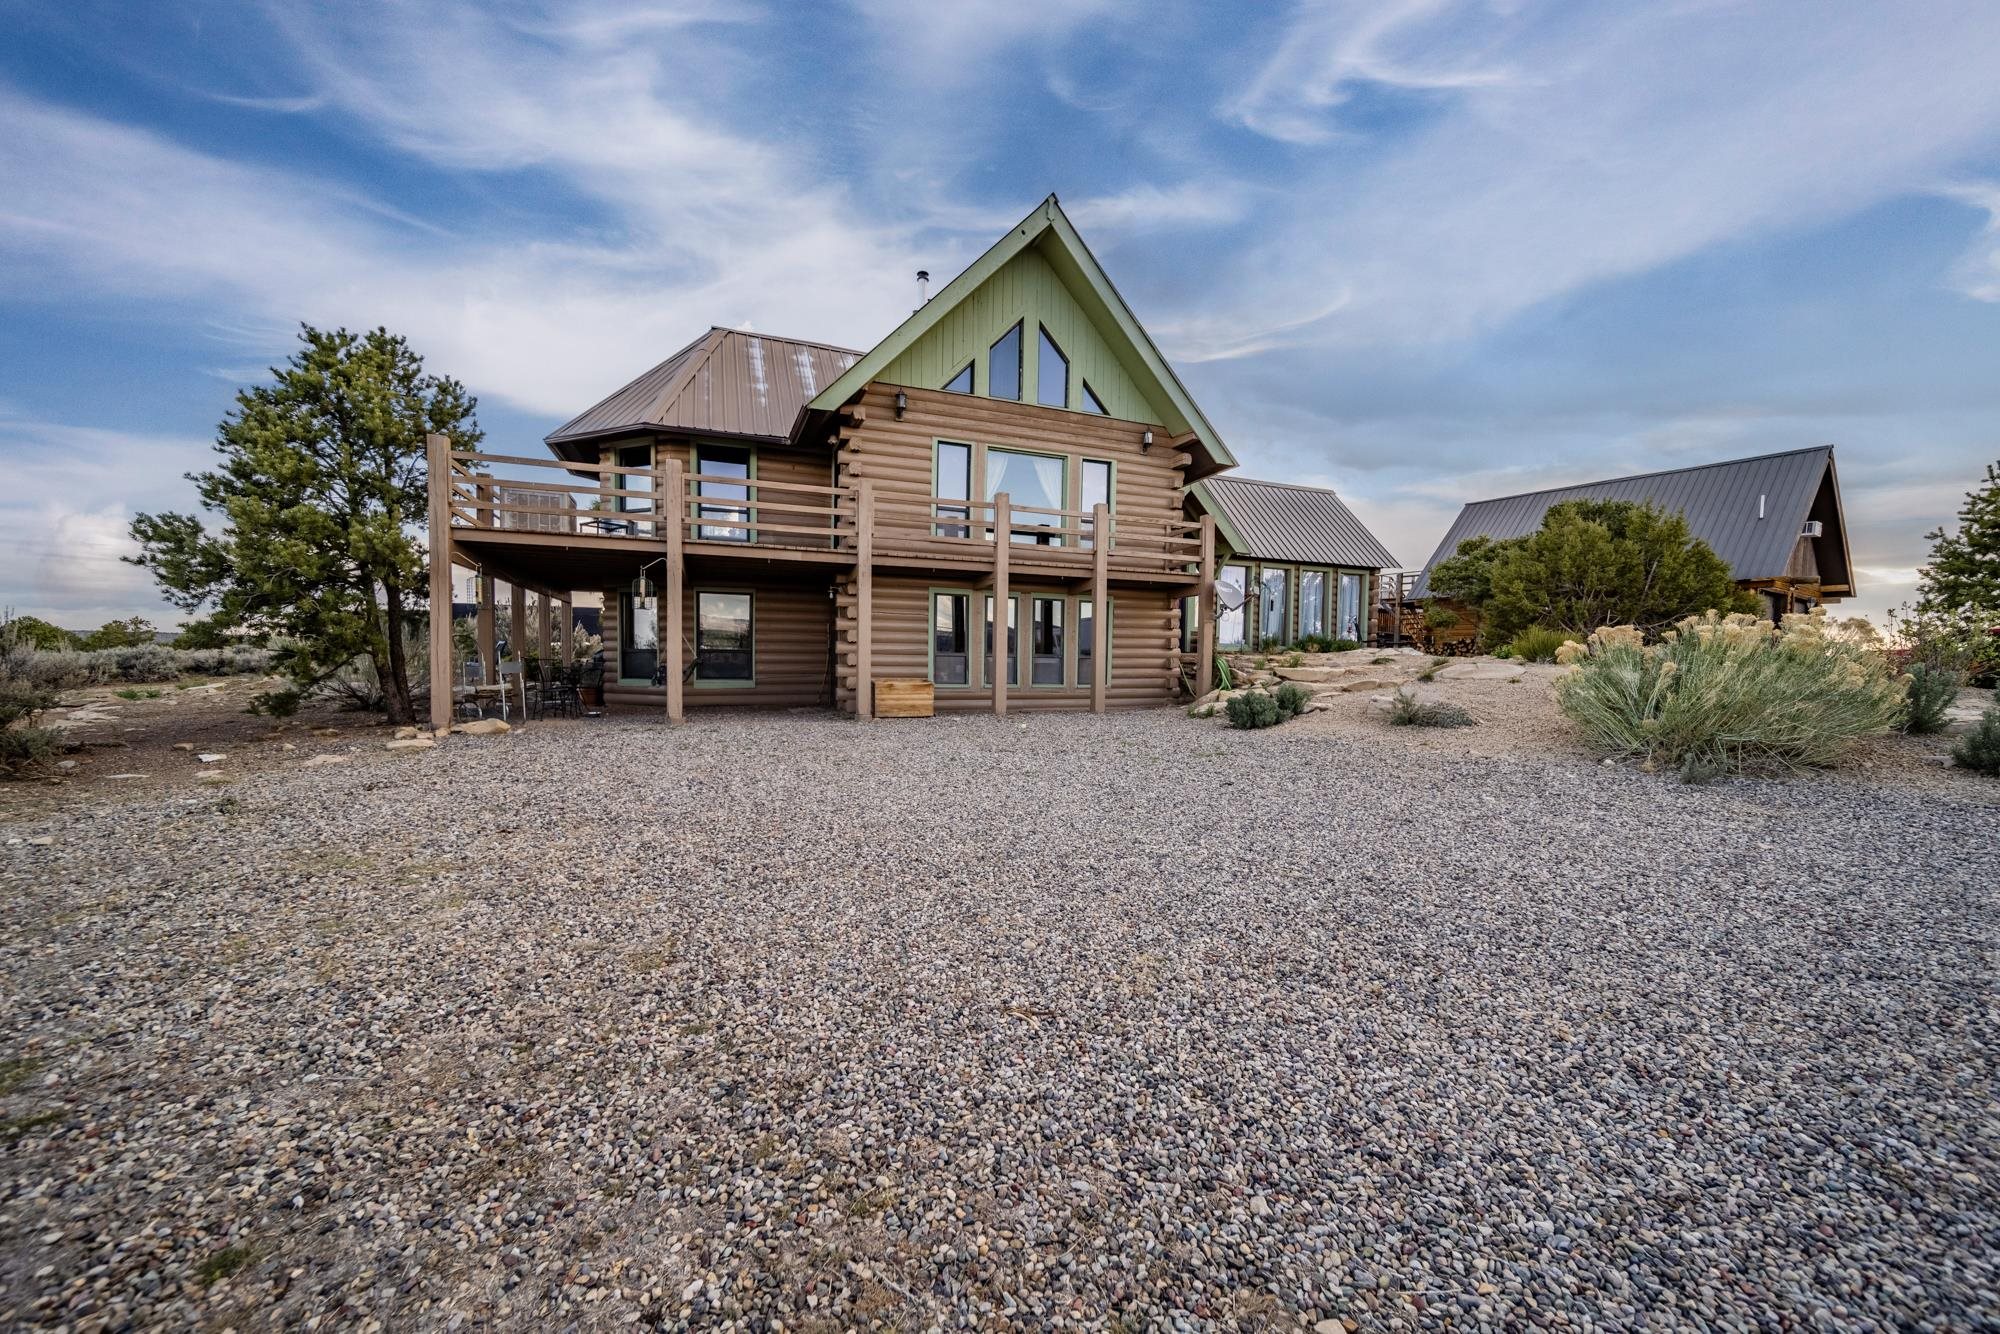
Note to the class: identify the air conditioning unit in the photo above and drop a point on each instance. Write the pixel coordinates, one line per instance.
(1814, 528)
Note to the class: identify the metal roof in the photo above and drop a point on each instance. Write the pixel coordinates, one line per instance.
(726, 382)
(1721, 502)
(1286, 522)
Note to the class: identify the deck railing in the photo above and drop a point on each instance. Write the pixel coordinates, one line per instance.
(614, 501)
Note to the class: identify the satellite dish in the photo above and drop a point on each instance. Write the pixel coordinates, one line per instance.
(1226, 597)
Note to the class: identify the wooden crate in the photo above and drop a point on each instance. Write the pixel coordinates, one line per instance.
(903, 698)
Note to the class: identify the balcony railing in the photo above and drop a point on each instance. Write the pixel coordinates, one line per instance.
(595, 502)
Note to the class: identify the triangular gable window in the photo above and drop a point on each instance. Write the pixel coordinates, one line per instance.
(1051, 373)
(960, 383)
(1003, 370)
(1093, 402)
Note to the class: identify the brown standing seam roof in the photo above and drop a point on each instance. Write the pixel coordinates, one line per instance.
(1719, 501)
(727, 382)
(1286, 522)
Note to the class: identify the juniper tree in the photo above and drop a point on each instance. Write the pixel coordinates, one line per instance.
(1959, 590)
(316, 499)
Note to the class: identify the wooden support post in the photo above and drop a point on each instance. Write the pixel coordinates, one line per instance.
(566, 628)
(673, 515)
(864, 600)
(1100, 606)
(1204, 668)
(517, 622)
(437, 449)
(1003, 541)
(485, 510)
(489, 637)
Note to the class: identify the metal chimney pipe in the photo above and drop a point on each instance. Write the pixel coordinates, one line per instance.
(923, 286)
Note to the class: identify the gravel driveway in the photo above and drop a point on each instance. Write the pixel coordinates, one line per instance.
(1065, 1021)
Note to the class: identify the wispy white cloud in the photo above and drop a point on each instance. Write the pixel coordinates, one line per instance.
(1332, 46)
(1150, 207)
(1977, 273)
(1595, 157)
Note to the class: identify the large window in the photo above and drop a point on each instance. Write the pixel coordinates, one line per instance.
(1003, 366)
(1045, 667)
(1273, 602)
(639, 633)
(1051, 373)
(1096, 476)
(1229, 618)
(1312, 603)
(960, 383)
(954, 482)
(725, 462)
(631, 456)
(1034, 480)
(951, 639)
(723, 638)
(1013, 641)
(1350, 607)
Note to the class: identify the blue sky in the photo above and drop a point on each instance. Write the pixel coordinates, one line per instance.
(1418, 250)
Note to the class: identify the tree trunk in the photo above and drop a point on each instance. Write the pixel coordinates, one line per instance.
(395, 672)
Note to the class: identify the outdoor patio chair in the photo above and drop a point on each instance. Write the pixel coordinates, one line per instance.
(512, 668)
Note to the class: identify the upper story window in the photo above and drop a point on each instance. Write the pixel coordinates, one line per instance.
(954, 482)
(1003, 366)
(719, 462)
(1092, 402)
(1051, 373)
(960, 383)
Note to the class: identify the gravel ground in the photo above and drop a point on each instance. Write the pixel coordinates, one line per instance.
(1067, 1022)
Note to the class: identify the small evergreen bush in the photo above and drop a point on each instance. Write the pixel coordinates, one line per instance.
(1253, 709)
(1537, 644)
(1979, 749)
(276, 703)
(1933, 687)
(1292, 699)
(1409, 711)
(1734, 693)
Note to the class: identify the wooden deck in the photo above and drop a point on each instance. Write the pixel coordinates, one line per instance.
(594, 525)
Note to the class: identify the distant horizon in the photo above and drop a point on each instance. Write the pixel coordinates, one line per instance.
(1421, 252)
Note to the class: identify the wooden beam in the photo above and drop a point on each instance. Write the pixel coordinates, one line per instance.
(673, 510)
(864, 602)
(1003, 540)
(489, 637)
(1100, 605)
(517, 620)
(437, 449)
(1204, 669)
(566, 627)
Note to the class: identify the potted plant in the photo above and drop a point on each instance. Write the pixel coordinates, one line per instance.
(590, 685)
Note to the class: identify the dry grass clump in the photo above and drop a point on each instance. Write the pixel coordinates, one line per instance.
(1406, 710)
(1733, 694)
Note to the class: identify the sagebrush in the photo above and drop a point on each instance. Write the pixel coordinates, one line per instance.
(1406, 710)
(1733, 694)
(1253, 709)
(1292, 699)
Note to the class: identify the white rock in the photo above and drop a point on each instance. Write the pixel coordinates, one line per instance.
(409, 743)
(484, 727)
(210, 757)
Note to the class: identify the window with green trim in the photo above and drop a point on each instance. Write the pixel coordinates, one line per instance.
(1312, 603)
(1096, 478)
(951, 640)
(1092, 402)
(724, 637)
(952, 466)
(1087, 638)
(723, 461)
(1003, 366)
(1051, 373)
(1045, 643)
(1273, 599)
(960, 383)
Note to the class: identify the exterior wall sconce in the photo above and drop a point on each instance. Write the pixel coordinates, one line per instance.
(902, 404)
(1145, 441)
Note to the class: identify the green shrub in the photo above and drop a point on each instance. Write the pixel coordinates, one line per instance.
(1733, 694)
(1254, 709)
(1538, 644)
(1933, 687)
(1979, 749)
(1314, 644)
(1409, 711)
(1294, 659)
(1437, 616)
(1292, 699)
(276, 703)
(1342, 645)
(1504, 651)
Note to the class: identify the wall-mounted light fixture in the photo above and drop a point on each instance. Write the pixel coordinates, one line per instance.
(902, 404)
(1145, 441)
(642, 587)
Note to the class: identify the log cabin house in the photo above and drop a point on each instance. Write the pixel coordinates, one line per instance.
(1776, 518)
(992, 499)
